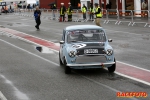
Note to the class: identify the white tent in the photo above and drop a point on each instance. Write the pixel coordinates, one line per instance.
(13, 0)
(31, 1)
(26, 1)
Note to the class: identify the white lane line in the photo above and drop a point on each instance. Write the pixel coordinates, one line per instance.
(96, 82)
(138, 80)
(133, 66)
(2, 97)
(19, 94)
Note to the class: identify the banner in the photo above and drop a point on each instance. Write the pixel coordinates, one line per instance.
(2, 3)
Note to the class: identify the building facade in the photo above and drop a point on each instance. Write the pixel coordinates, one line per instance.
(116, 4)
(45, 3)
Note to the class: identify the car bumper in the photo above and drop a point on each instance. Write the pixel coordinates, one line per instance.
(94, 64)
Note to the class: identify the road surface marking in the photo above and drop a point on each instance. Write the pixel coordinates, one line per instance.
(18, 93)
(137, 72)
(138, 80)
(96, 82)
(134, 66)
(2, 97)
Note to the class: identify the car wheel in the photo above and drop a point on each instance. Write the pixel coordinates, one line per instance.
(60, 62)
(112, 68)
(67, 68)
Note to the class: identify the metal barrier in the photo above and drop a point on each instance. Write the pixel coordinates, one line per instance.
(124, 16)
(74, 15)
(112, 15)
(80, 16)
(53, 16)
(148, 22)
(139, 14)
(89, 16)
(104, 12)
(132, 17)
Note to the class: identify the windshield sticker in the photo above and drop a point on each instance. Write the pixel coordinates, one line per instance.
(78, 45)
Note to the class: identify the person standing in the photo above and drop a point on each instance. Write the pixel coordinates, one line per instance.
(62, 12)
(6, 9)
(84, 11)
(91, 12)
(69, 12)
(37, 14)
(54, 10)
(98, 14)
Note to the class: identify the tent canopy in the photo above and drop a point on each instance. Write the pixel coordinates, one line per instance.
(31, 1)
(26, 1)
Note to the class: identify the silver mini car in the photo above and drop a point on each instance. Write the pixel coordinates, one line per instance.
(84, 47)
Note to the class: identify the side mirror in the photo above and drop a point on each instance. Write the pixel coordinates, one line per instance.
(110, 40)
(62, 42)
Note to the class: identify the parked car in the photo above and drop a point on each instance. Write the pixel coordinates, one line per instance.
(84, 47)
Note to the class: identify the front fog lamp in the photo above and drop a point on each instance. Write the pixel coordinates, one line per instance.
(72, 54)
(109, 52)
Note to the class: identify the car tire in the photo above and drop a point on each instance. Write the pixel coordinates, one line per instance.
(67, 68)
(112, 68)
(60, 62)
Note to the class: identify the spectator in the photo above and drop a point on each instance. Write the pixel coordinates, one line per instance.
(28, 7)
(98, 14)
(12, 7)
(84, 9)
(6, 9)
(91, 12)
(69, 12)
(53, 7)
(37, 14)
(62, 12)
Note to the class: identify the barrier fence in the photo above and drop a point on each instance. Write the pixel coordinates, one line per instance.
(132, 17)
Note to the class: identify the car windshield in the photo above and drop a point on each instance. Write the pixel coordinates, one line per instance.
(86, 36)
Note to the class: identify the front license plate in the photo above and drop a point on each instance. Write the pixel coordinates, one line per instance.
(86, 51)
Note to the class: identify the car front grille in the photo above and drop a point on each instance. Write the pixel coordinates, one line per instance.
(90, 59)
(81, 51)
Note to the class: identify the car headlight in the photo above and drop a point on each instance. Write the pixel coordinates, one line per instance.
(109, 52)
(72, 54)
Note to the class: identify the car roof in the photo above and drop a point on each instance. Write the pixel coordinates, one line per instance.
(78, 27)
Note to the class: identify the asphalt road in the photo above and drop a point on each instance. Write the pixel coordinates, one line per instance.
(26, 74)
